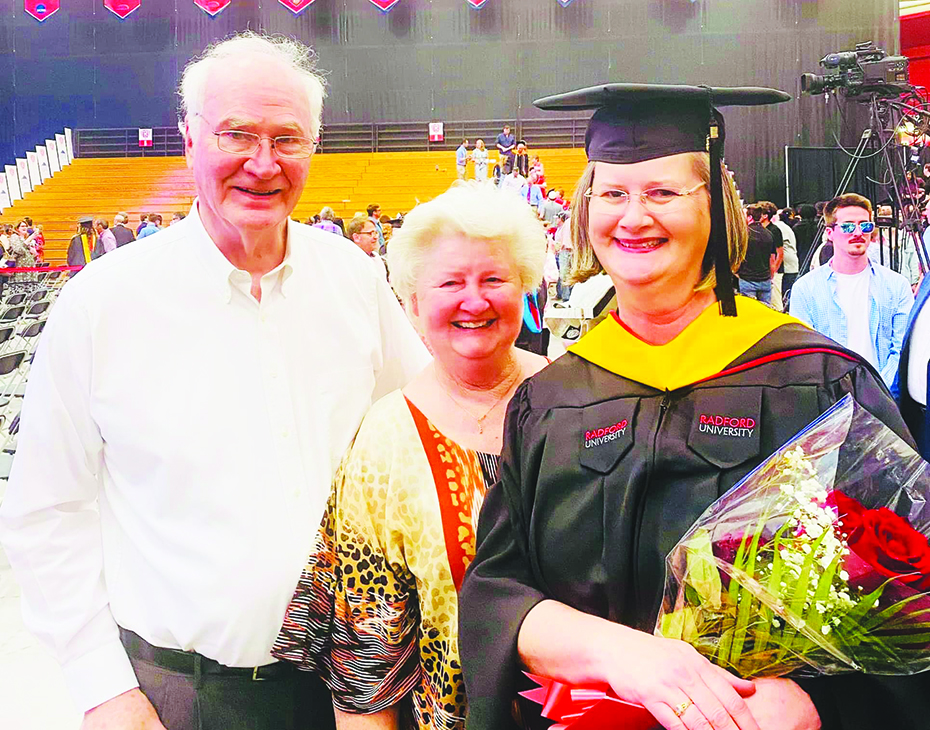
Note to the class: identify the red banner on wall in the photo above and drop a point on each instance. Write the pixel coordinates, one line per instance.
(476, 3)
(122, 7)
(565, 3)
(385, 5)
(296, 6)
(42, 9)
(212, 6)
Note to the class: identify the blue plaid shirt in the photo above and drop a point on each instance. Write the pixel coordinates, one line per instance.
(813, 300)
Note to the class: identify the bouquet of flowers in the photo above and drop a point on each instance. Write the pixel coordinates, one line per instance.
(817, 562)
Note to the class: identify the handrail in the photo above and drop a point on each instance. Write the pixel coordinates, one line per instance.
(565, 132)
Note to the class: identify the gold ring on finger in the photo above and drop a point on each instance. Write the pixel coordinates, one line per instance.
(681, 709)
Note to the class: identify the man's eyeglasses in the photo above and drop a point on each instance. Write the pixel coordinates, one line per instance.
(850, 227)
(368, 233)
(654, 199)
(245, 143)
(237, 142)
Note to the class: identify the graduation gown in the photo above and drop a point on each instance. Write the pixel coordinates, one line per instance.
(605, 467)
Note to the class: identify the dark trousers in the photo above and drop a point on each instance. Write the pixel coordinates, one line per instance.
(210, 699)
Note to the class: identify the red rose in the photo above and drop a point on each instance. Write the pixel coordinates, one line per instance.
(891, 546)
(849, 512)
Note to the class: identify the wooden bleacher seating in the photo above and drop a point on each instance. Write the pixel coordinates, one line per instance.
(346, 182)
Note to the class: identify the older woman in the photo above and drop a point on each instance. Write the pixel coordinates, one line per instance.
(375, 612)
(569, 571)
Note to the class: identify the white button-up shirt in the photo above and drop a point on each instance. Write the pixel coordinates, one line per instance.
(179, 439)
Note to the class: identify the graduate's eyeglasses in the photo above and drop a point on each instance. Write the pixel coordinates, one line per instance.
(850, 227)
(654, 199)
(237, 142)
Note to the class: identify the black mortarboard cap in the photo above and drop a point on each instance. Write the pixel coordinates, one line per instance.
(638, 122)
(85, 219)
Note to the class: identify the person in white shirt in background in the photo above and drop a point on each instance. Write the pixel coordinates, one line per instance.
(176, 442)
(790, 258)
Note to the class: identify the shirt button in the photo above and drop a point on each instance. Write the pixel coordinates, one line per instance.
(285, 433)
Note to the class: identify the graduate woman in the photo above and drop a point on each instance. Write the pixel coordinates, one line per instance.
(605, 465)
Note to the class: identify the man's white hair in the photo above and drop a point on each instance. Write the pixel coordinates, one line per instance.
(293, 53)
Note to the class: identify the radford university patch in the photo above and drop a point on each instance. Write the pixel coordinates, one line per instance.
(606, 433)
(725, 425)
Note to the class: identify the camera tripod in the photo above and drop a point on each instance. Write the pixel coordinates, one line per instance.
(886, 116)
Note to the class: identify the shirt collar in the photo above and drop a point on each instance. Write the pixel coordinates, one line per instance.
(220, 271)
(831, 275)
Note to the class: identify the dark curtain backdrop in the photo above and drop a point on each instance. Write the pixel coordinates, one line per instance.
(443, 60)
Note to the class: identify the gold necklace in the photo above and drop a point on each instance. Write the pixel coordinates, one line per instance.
(480, 420)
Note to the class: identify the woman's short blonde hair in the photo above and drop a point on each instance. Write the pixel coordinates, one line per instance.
(584, 261)
(475, 211)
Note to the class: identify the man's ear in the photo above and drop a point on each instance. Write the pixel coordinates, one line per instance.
(828, 232)
(414, 305)
(185, 129)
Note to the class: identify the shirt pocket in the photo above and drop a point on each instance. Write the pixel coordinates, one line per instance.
(725, 428)
(606, 433)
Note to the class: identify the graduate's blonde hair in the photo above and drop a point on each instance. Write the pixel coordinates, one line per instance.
(584, 261)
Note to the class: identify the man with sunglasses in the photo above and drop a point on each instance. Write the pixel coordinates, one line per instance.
(862, 305)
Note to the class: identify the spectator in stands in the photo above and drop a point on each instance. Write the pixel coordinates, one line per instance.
(505, 145)
(758, 268)
(176, 218)
(563, 255)
(374, 212)
(326, 223)
(81, 247)
(204, 420)
(532, 193)
(387, 228)
(480, 157)
(20, 253)
(521, 159)
(550, 208)
(38, 242)
(461, 159)
(361, 230)
(153, 226)
(143, 222)
(860, 304)
(514, 181)
(497, 172)
(106, 241)
(122, 234)
(536, 166)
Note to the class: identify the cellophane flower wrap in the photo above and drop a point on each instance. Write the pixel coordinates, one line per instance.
(817, 562)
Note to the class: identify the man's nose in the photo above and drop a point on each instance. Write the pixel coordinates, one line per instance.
(264, 161)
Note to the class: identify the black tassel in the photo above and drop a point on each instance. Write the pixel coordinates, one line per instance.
(718, 248)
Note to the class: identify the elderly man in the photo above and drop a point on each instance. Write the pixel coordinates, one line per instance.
(121, 232)
(106, 241)
(177, 446)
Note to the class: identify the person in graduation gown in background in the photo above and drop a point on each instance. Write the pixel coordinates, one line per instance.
(604, 463)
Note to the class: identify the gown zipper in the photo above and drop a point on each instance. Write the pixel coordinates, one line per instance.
(641, 507)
